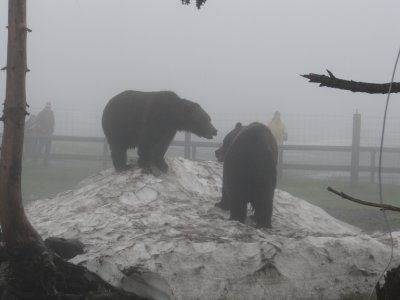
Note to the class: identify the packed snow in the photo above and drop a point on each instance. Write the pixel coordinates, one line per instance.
(163, 238)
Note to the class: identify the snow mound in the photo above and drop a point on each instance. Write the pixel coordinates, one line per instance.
(168, 225)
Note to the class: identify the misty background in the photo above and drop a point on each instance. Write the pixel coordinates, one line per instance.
(241, 60)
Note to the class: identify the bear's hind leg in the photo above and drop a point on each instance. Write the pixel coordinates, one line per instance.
(263, 206)
(224, 203)
(238, 208)
(118, 156)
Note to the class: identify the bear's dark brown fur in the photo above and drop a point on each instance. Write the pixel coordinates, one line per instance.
(249, 154)
(149, 121)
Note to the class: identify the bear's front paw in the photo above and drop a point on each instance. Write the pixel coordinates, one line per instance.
(263, 225)
(155, 171)
(123, 168)
(144, 164)
(162, 166)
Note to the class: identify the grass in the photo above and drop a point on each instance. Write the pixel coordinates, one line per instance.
(314, 190)
(44, 181)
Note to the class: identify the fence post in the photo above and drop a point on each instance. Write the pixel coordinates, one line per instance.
(372, 174)
(188, 142)
(46, 143)
(355, 149)
(105, 154)
(194, 152)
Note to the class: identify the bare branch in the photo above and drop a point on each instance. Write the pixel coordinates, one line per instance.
(350, 85)
(381, 206)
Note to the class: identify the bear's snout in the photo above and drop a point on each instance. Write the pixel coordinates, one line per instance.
(211, 131)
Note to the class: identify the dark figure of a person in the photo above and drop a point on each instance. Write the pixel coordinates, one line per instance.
(31, 141)
(45, 121)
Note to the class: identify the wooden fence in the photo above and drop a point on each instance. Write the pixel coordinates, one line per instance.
(190, 149)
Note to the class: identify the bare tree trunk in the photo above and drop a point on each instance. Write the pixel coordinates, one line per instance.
(14, 223)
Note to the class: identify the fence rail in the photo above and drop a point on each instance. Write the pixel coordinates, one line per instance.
(190, 149)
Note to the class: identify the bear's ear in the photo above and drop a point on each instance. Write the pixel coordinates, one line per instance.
(238, 125)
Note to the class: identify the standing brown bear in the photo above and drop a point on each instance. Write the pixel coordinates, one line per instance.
(249, 154)
(149, 121)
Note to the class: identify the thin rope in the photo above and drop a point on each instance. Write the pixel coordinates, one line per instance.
(389, 230)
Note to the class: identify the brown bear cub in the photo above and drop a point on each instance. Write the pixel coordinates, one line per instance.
(149, 121)
(250, 155)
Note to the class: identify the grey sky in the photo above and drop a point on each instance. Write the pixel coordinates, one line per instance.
(241, 60)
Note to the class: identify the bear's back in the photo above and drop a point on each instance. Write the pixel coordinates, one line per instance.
(253, 144)
(128, 110)
(129, 102)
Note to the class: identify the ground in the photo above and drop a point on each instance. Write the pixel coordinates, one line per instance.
(168, 226)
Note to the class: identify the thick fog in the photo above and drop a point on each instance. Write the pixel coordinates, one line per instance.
(241, 60)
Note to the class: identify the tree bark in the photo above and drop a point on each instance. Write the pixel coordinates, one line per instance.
(15, 226)
(350, 85)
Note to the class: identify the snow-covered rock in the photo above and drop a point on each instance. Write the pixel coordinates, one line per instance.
(168, 225)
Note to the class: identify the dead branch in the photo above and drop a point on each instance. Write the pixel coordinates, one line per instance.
(350, 85)
(381, 206)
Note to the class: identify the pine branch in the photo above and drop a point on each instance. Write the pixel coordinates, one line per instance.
(381, 206)
(350, 85)
(199, 3)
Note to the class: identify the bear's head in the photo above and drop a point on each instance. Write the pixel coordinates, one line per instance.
(200, 122)
(221, 152)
